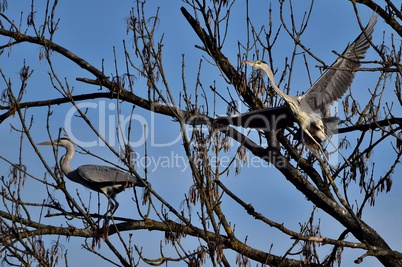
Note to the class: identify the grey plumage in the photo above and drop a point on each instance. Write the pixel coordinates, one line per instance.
(311, 109)
(332, 85)
(103, 179)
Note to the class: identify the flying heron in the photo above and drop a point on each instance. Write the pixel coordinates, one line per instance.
(103, 179)
(311, 109)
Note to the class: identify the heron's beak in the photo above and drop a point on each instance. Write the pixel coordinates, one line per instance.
(49, 143)
(248, 62)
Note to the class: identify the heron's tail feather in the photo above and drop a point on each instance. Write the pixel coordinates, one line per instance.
(330, 125)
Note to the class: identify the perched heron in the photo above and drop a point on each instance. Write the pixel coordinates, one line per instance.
(311, 109)
(103, 179)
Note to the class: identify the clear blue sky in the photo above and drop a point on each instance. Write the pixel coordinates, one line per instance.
(92, 28)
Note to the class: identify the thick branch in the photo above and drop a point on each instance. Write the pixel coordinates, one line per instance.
(130, 225)
(371, 126)
(20, 38)
(323, 240)
(360, 230)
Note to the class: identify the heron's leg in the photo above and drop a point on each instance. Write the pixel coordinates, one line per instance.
(337, 150)
(111, 208)
(318, 144)
(115, 205)
(112, 205)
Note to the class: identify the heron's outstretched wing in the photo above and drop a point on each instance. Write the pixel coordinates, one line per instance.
(101, 176)
(335, 81)
(264, 119)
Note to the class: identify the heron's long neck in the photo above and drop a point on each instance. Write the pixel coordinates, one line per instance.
(280, 92)
(65, 160)
(271, 79)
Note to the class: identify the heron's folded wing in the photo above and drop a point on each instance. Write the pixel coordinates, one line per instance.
(96, 174)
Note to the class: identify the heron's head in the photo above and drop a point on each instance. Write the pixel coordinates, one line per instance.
(260, 64)
(63, 142)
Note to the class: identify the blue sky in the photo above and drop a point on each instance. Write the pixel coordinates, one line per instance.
(91, 29)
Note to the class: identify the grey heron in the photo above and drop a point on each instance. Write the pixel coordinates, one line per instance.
(103, 179)
(309, 110)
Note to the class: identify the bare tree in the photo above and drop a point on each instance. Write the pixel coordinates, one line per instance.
(199, 228)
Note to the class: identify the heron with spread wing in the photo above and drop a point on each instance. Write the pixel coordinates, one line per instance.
(309, 110)
(103, 179)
